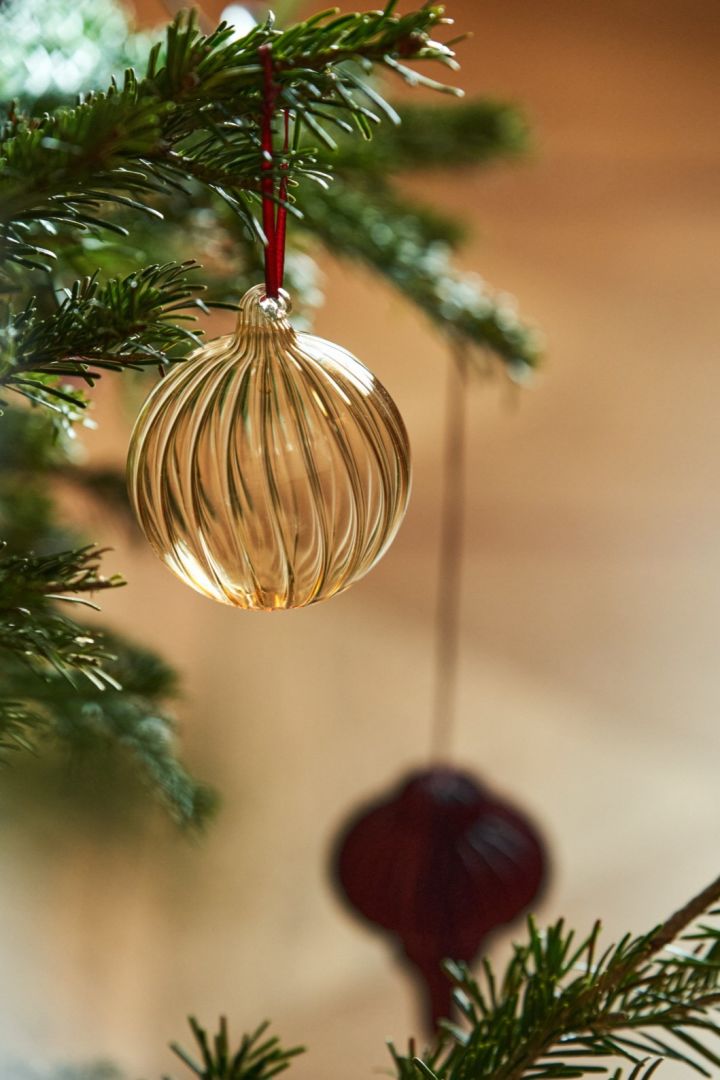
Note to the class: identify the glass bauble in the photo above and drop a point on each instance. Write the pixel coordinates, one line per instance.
(271, 469)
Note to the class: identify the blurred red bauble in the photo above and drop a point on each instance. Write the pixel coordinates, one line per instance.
(439, 863)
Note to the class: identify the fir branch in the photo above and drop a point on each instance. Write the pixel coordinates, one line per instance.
(193, 119)
(689, 912)
(195, 113)
(131, 322)
(61, 682)
(20, 726)
(435, 137)
(257, 1057)
(121, 715)
(404, 246)
(33, 631)
(26, 578)
(560, 1011)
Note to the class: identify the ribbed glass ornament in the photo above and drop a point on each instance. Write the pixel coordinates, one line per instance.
(271, 469)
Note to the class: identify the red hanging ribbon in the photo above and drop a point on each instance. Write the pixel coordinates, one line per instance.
(274, 194)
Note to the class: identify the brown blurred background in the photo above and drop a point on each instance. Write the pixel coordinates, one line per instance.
(589, 683)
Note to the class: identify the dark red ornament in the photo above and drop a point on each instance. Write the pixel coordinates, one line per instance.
(439, 863)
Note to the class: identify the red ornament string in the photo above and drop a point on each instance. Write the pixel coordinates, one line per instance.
(274, 193)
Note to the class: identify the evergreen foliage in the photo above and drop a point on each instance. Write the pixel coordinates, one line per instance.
(257, 1057)
(97, 195)
(565, 1009)
(129, 322)
(65, 682)
(561, 1010)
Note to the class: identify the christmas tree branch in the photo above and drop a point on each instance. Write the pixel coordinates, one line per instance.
(199, 103)
(119, 713)
(560, 1011)
(129, 322)
(435, 136)
(193, 74)
(63, 683)
(398, 244)
(257, 1057)
(688, 913)
(32, 629)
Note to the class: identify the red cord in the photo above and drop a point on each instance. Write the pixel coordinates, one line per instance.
(274, 215)
(281, 222)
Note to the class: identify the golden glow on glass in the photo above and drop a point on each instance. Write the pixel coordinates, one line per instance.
(271, 469)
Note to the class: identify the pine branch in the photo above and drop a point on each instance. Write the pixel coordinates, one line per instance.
(120, 714)
(20, 726)
(409, 245)
(560, 1011)
(195, 113)
(257, 1057)
(64, 682)
(404, 246)
(130, 322)
(194, 119)
(34, 632)
(673, 927)
(435, 137)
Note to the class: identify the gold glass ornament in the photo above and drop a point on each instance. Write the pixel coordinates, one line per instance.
(271, 469)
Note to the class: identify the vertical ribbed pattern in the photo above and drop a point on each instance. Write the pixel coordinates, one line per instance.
(271, 469)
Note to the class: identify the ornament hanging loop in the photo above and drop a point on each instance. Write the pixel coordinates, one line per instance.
(274, 193)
